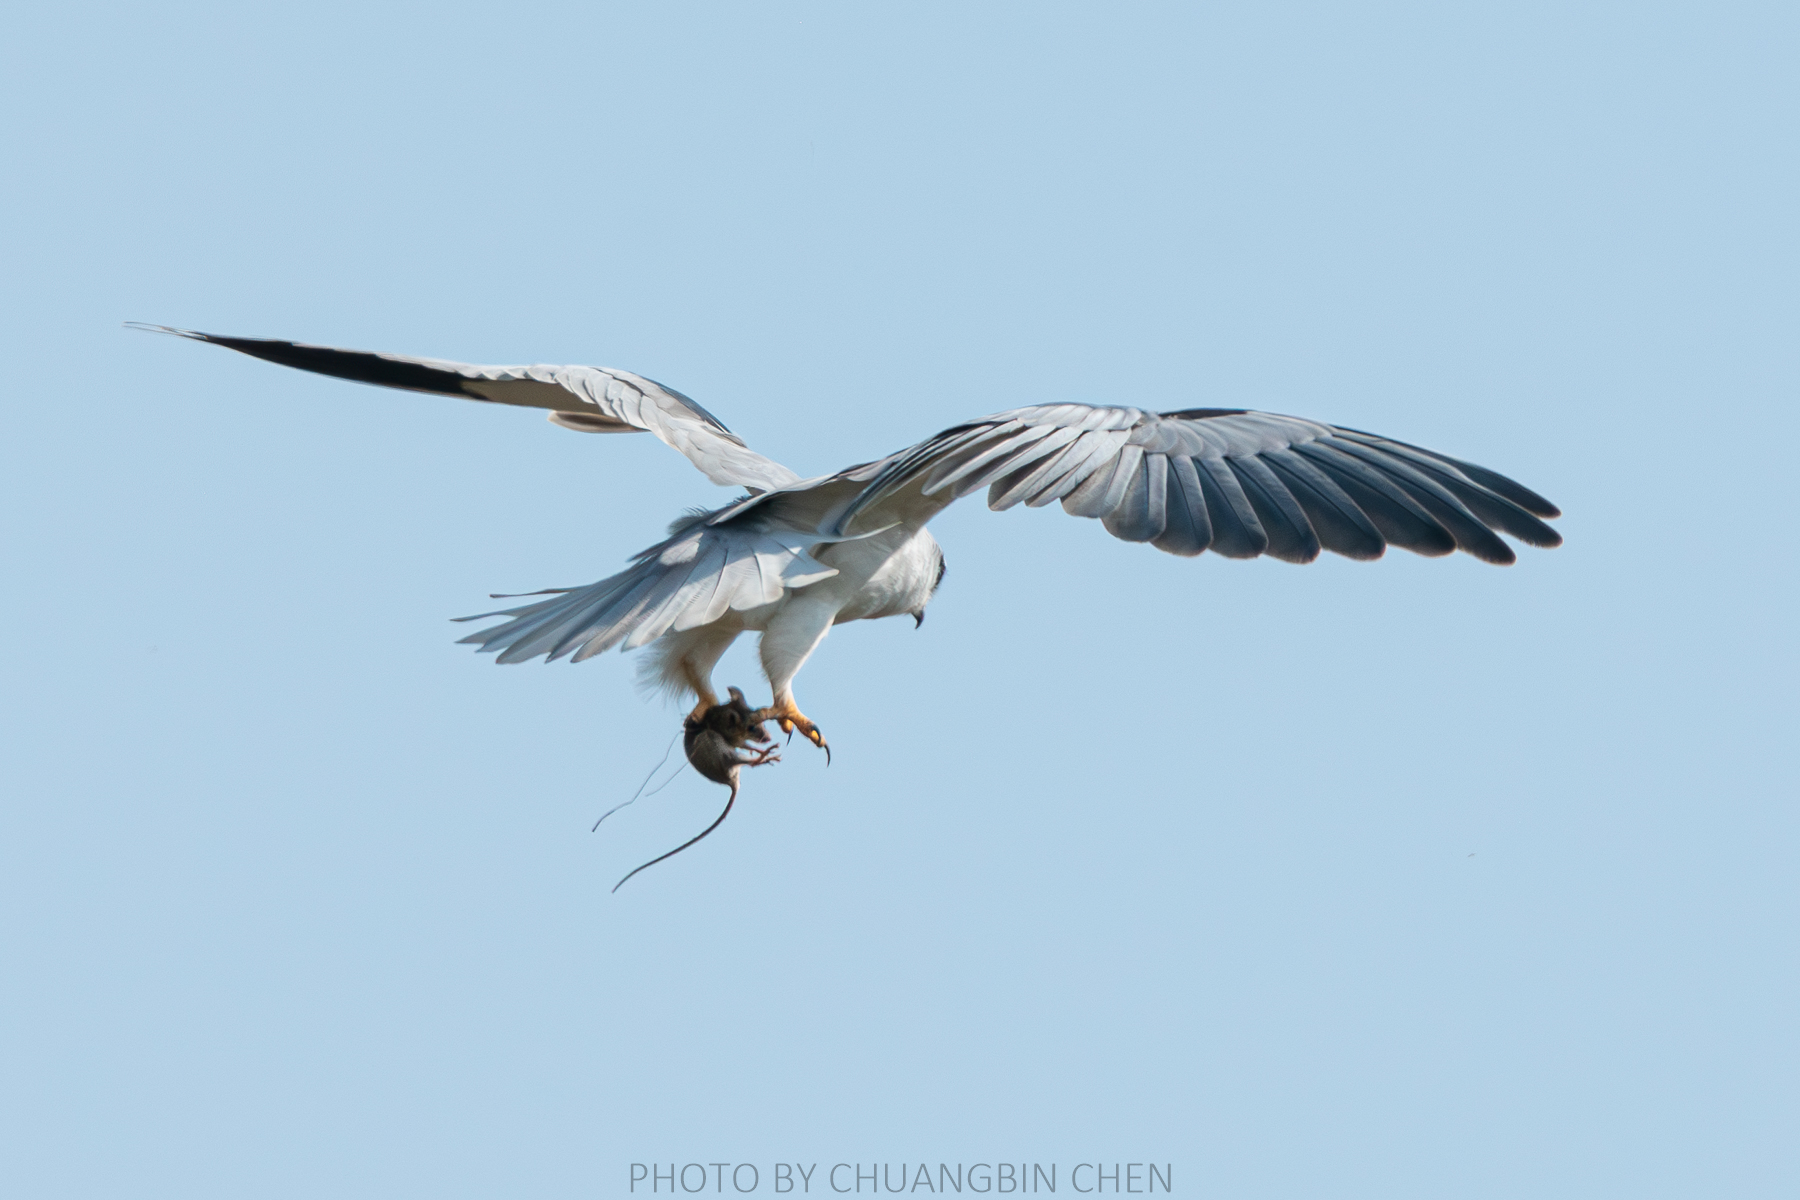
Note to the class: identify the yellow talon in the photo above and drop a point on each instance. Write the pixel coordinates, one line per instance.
(790, 718)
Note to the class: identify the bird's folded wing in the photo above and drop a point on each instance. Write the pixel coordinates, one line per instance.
(1236, 482)
(690, 579)
(586, 399)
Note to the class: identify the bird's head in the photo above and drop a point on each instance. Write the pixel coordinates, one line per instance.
(918, 614)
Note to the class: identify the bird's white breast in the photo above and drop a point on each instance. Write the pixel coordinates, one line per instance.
(897, 570)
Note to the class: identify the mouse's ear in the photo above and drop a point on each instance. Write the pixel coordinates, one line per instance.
(737, 696)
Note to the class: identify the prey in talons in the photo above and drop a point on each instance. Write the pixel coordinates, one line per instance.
(719, 741)
(718, 738)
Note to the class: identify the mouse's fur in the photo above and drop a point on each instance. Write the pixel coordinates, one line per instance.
(717, 740)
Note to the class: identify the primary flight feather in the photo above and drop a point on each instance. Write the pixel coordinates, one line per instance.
(796, 556)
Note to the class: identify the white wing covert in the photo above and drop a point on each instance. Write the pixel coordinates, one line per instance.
(691, 579)
(585, 399)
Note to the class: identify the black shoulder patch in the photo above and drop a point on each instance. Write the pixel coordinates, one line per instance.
(1202, 414)
(694, 405)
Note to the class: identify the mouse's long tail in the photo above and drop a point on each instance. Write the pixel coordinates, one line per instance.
(689, 842)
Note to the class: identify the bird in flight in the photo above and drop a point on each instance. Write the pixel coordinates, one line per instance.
(792, 557)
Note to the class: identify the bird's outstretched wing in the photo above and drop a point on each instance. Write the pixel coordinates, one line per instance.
(1236, 482)
(586, 399)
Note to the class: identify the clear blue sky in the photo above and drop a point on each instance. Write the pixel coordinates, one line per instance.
(1411, 879)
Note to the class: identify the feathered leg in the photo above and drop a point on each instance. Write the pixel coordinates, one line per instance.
(684, 662)
(787, 643)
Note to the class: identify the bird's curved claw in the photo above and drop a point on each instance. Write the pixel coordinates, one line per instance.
(817, 738)
(813, 734)
(791, 719)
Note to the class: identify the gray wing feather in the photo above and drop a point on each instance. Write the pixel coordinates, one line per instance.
(1493, 507)
(1342, 527)
(1400, 518)
(691, 579)
(585, 399)
(1108, 482)
(1188, 530)
(1495, 482)
(1140, 515)
(1236, 531)
(1461, 524)
(1081, 459)
(976, 466)
(1027, 470)
(1291, 535)
(1236, 482)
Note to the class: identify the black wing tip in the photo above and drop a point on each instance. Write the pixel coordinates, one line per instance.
(358, 366)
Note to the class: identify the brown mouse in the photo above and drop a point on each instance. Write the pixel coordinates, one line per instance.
(717, 745)
(716, 741)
